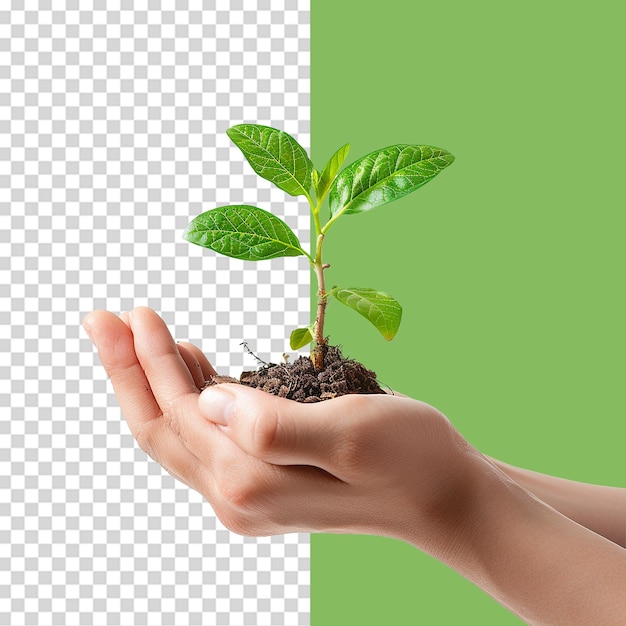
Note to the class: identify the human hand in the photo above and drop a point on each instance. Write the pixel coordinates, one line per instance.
(156, 381)
(370, 464)
(376, 464)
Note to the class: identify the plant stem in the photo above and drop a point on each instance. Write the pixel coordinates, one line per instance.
(319, 351)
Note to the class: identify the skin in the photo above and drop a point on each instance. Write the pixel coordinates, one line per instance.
(599, 508)
(383, 465)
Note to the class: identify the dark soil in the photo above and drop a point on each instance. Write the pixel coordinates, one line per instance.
(301, 382)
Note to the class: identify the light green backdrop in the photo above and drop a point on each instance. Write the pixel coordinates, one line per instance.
(510, 265)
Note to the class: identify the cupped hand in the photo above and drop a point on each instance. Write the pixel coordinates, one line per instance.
(364, 464)
(156, 382)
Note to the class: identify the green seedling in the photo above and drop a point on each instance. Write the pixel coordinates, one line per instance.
(253, 234)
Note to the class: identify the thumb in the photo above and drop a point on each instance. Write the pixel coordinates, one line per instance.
(268, 427)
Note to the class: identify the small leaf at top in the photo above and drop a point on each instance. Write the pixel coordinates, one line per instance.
(384, 176)
(243, 232)
(274, 155)
(315, 178)
(299, 338)
(379, 308)
(331, 170)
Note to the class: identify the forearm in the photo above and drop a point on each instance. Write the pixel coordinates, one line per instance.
(538, 563)
(599, 508)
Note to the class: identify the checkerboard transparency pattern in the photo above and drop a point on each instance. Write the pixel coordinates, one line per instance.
(112, 120)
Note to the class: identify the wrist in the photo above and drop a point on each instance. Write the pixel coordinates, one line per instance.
(535, 561)
(441, 525)
(466, 506)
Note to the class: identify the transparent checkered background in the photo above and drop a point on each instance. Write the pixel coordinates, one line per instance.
(112, 137)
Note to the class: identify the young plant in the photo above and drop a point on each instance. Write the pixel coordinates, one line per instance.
(253, 234)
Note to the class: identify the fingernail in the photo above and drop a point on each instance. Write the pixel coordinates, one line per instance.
(216, 404)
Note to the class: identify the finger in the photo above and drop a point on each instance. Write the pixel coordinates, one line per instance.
(199, 366)
(205, 366)
(193, 365)
(329, 435)
(173, 386)
(158, 354)
(115, 344)
(264, 499)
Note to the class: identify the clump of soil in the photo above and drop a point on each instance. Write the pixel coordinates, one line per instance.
(301, 382)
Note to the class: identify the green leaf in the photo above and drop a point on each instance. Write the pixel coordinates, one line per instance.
(243, 232)
(275, 156)
(384, 176)
(330, 171)
(315, 178)
(379, 308)
(300, 337)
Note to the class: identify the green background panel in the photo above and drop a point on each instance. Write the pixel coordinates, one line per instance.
(509, 265)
